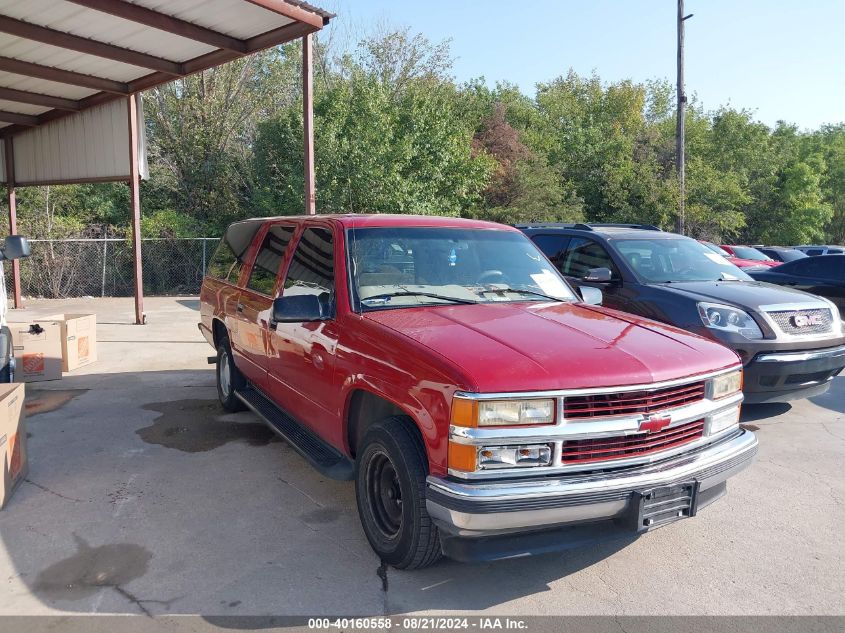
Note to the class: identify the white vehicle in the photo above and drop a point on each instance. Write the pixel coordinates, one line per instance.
(14, 247)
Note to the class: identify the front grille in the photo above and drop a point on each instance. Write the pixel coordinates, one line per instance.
(601, 449)
(789, 321)
(631, 402)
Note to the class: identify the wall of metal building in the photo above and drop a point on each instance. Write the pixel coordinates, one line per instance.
(88, 146)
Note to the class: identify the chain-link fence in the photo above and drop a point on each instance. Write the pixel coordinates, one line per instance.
(59, 269)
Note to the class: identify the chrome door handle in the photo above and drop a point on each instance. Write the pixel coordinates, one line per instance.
(240, 307)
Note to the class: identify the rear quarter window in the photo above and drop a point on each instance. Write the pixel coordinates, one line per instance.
(224, 264)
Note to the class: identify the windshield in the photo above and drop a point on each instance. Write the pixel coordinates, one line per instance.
(747, 252)
(717, 249)
(396, 267)
(673, 260)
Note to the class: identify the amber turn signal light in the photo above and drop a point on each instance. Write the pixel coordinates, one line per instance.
(464, 412)
(462, 457)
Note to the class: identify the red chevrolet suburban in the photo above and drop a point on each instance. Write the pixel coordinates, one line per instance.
(482, 407)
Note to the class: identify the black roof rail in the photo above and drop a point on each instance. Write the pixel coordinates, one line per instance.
(581, 226)
(612, 225)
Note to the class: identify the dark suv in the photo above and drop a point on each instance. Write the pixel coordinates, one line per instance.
(791, 343)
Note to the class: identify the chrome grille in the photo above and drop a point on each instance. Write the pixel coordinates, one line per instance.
(643, 401)
(820, 321)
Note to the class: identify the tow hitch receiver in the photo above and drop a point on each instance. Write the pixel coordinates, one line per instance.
(660, 506)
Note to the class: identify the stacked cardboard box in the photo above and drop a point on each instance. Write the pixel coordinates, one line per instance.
(12, 440)
(38, 350)
(47, 347)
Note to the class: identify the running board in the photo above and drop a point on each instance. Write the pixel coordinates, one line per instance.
(319, 454)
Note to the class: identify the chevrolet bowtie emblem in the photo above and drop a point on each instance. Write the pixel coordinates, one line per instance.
(654, 423)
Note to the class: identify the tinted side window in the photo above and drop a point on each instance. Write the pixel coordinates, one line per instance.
(311, 269)
(584, 254)
(832, 267)
(269, 259)
(224, 264)
(228, 260)
(553, 247)
(814, 251)
(807, 267)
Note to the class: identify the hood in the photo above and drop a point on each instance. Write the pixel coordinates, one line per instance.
(749, 295)
(524, 346)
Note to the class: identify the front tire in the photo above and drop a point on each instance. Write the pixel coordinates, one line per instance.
(229, 379)
(390, 474)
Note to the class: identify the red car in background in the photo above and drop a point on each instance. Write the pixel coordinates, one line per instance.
(751, 254)
(739, 262)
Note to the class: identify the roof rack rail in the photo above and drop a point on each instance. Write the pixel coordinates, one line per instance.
(581, 226)
(612, 225)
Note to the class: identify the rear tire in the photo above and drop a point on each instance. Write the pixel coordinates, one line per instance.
(390, 486)
(229, 378)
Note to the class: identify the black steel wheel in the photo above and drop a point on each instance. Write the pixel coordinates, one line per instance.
(391, 468)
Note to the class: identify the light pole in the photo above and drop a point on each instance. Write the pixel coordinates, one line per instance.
(679, 132)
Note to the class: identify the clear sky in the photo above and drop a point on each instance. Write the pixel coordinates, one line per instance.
(782, 59)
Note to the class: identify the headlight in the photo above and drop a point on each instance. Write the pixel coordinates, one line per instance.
(473, 413)
(724, 385)
(729, 319)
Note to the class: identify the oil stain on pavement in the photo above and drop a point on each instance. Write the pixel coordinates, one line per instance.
(92, 568)
(193, 426)
(46, 400)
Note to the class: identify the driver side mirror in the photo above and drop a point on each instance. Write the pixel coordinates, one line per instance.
(15, 247)
(598, 275)
(590, 295)
(298, 309)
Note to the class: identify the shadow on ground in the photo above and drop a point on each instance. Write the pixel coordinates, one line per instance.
(144, 497)
(834, 399)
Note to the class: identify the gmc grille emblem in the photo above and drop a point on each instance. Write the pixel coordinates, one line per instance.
(655, 423)
(804, 320)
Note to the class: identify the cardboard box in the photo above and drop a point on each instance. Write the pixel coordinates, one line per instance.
(79, 339)
(12, 440)
(38, 350)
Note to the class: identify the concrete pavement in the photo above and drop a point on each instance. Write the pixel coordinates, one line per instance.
(144, 498)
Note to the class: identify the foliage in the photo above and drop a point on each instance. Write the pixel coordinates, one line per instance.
(395, 133)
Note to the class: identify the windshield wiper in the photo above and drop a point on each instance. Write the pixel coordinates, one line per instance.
(520, 291)
(411, 293)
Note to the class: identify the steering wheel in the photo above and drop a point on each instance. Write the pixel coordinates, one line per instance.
(491, 276)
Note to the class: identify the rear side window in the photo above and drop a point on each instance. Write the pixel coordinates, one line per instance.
(269, 259)
(228, 260)
(224, 264)
(814, 251)
(311, 269)
(583, 255)
(553, 247)
(807, 267)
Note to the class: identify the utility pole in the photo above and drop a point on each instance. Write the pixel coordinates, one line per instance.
(679, 132)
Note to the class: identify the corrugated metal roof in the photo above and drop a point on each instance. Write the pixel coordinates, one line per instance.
(91, 52)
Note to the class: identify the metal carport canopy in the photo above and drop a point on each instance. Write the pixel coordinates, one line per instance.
(70, 70)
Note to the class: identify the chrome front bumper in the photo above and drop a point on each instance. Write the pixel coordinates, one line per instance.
(488, 508)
